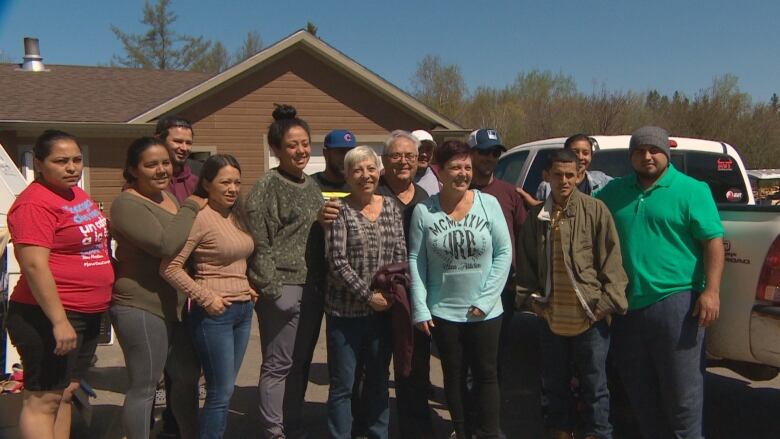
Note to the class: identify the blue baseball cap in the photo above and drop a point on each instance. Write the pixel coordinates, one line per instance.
(340, 139)
(485, 138)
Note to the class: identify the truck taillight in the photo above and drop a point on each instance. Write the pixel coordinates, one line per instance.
(769, 280)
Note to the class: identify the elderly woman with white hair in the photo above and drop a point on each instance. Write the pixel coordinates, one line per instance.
(366, 235)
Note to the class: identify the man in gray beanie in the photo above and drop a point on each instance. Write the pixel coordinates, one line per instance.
(673, 290)
(652, 136)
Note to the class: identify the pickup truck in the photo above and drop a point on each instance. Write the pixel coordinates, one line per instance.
(746, 337)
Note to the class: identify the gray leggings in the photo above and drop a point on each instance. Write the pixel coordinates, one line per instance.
(278, 320)
(144, 340)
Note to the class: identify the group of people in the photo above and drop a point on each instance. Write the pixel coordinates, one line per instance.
(633, 271)
(417, 245)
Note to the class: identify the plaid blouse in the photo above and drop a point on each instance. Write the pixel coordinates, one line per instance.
(356, 249)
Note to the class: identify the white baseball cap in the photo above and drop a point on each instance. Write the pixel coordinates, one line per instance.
(423, 135)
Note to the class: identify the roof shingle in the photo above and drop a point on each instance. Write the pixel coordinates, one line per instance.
(87, 93)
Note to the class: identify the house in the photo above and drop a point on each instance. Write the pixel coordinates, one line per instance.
(107, 107)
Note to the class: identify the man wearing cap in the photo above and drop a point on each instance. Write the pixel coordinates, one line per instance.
(333, 185)
(337, 144)
(569, 261)
(426, 174)
(486, 148)
(672, 244)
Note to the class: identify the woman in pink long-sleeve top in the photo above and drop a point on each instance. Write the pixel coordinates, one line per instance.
(221, 318)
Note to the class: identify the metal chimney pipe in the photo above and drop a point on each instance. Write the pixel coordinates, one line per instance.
(32, 56)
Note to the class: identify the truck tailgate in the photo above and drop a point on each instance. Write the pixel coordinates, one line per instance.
(746, 331)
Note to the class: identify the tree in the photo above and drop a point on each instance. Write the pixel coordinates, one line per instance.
(549, 102)
(492, 108)
(252, 44)
(215, 60)
(439, 86)
(160, 47)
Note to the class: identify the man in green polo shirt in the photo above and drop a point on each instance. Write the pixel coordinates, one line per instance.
(672, 244)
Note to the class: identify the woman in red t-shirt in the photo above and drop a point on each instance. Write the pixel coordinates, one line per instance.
(60, 240)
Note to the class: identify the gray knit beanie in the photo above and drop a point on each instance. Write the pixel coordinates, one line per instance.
(652, 136)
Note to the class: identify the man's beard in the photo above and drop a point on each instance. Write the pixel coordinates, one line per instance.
(651, 175)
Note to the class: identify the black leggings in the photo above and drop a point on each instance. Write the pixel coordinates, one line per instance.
(474, 346)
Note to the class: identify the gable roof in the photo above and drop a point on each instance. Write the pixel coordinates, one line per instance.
(305, 41)
(90, 94)
(66, 93)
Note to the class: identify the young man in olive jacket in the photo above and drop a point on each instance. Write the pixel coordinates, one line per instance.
(569, 261)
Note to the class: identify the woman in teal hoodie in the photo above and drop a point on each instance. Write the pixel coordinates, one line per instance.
(459, 257)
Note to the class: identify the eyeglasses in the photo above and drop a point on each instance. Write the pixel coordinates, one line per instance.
(397, 156)
(495, 152)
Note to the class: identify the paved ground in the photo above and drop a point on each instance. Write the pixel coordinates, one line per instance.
(735, 407)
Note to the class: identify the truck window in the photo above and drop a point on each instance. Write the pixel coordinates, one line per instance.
(534, 176)
(721, 172)
(616, 162)
(510, 167)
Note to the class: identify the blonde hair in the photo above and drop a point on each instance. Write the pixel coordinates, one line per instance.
(357, 155)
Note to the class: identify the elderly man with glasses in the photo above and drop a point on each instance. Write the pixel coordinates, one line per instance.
(399, 159)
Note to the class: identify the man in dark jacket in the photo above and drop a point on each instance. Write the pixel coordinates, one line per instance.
(569, 260)
(486, 148)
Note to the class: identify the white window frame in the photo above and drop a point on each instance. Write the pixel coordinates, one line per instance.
(211, 149)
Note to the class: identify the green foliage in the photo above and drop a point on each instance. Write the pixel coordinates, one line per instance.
(161, 47)
(542, 104)
(252, 44)
(215, 60)
(440, 86)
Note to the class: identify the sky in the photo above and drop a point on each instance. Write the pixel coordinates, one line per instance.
(636, 45)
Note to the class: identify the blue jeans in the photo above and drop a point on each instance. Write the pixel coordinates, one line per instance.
(350, 338)
(221, 342)
(658, 352)
(587, 355)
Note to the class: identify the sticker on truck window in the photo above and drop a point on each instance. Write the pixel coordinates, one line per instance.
(734, 195)
(725, 164)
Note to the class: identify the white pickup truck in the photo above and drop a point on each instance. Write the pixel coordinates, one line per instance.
(746, 337)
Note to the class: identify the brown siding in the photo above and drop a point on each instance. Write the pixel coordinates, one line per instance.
(106, 160)
(236, 118)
